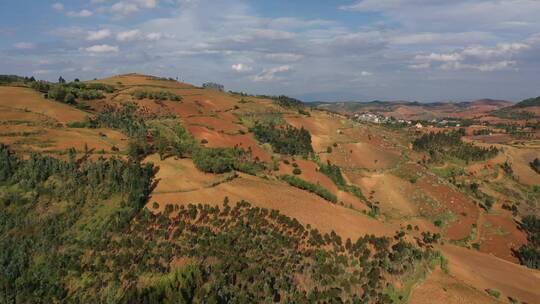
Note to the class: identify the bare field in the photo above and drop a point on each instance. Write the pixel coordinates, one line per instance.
(30, 100)
(483, 271)
(446, 289)
(308, 208)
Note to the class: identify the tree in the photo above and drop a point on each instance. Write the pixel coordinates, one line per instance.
(61, 80)
(70, 98)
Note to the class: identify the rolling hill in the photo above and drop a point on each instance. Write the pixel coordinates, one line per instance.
(419, 111)
(136, 188)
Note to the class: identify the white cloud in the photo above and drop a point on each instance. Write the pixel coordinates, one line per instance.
(128, 35)
(441, 38)
(102, 48)
(270, 74)
(502, 49)
(128, 7)
(98, 35)
(25, 45)
(58, 6)
(485, 67)
(82, 14)
(124, 8)
(439, 57)
(481, 58)
(147, 3)
(420, 66)
(241, 68)
(452, 15)
(366, 73)
(153, 36)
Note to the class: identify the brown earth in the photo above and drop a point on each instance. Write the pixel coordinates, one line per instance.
(484, 271)
(308, 208)
(440, 287)
(30, 100)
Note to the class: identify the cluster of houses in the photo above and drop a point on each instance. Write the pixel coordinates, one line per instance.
(380, 119)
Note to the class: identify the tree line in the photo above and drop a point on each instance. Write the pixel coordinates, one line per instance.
(439, 144)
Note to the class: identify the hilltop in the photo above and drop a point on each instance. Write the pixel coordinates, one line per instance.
(141, 176)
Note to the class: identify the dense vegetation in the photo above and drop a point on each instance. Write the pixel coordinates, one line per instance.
(71, 92)
(284, 140)
(509, 113)
(439, 144)
(76, 231)
(531, 102)
(221, 160)
(529, 254)
(10, 79)
(334, 173)
(156, 95)
(53, 213)
(313, 188)
(124, 118)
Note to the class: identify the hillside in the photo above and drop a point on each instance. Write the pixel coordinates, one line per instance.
(136, 188)
(526, 110)
(418, 111)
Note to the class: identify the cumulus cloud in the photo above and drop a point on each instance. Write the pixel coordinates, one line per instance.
(124, 8)
(128, 7)
(459, 42)
(81, 14)
(481, 58)
(102, 48)
(98, 35)
(241, 68)
(128, 35)
(272, 73)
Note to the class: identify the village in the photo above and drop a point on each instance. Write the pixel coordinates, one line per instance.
(381, 119)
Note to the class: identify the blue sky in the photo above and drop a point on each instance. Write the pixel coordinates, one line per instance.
(424, 50)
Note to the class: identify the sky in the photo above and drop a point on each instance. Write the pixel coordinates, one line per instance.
(316, 50)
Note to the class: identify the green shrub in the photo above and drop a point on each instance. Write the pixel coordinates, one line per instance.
(494, 293)
(297, 171)
(314, 188)
(79, 124)
(221, 160)
(156, 95)
(334, 173)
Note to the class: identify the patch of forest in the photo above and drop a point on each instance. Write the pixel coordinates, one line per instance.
(284, 139)
(439, 144)
(71, 92)
(529, 254)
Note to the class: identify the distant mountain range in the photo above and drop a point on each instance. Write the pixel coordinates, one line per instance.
(418, 110)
